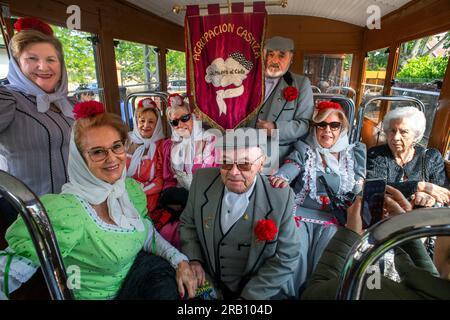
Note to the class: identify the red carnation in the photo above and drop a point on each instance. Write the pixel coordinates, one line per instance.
(328, 105)
(175, 99)
(33, 24)
(290, 93)
(147, 103)
(87, 109)
(266, 230)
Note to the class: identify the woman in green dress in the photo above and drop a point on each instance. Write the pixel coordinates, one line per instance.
(99, 222)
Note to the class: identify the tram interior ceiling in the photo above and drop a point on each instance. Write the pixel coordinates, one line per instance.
(375, 56)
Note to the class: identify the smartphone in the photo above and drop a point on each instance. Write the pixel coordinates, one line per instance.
(372, 201)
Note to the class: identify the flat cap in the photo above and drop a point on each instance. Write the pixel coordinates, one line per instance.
(243, 138)
(279, 43)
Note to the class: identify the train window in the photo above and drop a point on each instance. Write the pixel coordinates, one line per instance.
(3, 59)
(176, 71)
(420, 72)
(375, 72)
(328, 70)
(137, 66)
(137, 71)
(80, 58)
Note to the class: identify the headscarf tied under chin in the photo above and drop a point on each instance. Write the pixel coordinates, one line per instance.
(85, 185)
(18, 81)
(144, 143)
(183, 148)
(332, 163)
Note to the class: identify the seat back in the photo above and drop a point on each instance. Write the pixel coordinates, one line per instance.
(27, 204)
(345, 91)
(161, 101)
(384, 236)
(361, 119)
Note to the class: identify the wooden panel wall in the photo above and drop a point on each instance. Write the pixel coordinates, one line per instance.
(317, 35)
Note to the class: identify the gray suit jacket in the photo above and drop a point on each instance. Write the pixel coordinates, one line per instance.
(292, 121)
(270, 264)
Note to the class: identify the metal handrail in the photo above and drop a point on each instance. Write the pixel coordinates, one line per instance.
(316, 88)
(384, 236)
(133, 96)
(359, 117)
(41, 232)
(330, 89)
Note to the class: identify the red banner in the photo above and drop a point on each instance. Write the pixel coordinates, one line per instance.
(224, 63)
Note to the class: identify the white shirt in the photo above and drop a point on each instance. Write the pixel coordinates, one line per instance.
(234, 206)
(270, 84)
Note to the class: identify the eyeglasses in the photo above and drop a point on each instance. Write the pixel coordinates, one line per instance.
(100, 154)
(183, 119)
(334, 126)
(246, 166)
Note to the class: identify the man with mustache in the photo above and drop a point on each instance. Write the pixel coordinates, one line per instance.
(237, 230)
(290, 117)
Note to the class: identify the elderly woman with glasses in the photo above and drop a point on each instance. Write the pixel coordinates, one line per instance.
(325, 153)
(99, 223)
(418, 172)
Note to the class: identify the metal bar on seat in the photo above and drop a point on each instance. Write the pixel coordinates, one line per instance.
(384, 236)
(41, 232)
(360, 116)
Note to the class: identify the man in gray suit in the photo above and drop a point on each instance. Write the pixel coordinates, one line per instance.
(238, 228)
(291, 118)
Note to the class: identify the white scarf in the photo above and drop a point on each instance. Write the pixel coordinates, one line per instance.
(84, 184)
(145, 144)
(332, 163)
(21, 83)
(183, 148)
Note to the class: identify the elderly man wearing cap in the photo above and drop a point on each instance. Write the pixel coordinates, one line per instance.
(288, 101)
(237, 227)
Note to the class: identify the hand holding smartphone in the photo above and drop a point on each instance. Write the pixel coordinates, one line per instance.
(372, 201)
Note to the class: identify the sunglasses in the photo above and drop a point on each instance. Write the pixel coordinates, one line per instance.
(334, 126)
(183, 119)
(100, 154)
(246, 166)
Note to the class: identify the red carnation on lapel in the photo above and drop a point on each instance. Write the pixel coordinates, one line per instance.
(290, 93)
(87, 109)
(33, 24)
(266, 230)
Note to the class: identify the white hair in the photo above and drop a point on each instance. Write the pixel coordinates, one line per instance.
(172, 109)
(413, 116)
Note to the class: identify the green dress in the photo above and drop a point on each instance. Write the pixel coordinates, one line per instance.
(101, 254)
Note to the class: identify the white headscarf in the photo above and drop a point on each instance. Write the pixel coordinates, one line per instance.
(84, 184)
(21, 83)
(183, 148)
(333, 163)
(149, 144)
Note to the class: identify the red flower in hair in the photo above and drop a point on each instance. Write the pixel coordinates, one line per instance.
(147, 103)
(328, 105)
(290, 93)
(266, 230)
(33, 24)
(87, 109)
(175, 99)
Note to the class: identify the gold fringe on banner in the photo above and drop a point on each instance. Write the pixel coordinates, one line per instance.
(283, 3)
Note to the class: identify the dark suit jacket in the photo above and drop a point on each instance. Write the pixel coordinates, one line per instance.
(269, 267)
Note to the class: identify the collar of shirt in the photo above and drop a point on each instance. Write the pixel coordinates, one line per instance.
(234, 206)
(270, 84)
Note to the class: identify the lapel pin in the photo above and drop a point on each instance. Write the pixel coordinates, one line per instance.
(245, 216)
